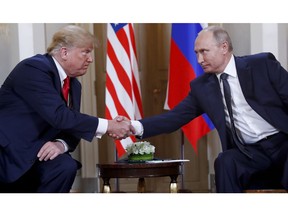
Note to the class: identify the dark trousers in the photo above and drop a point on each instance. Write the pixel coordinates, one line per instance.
(234, 172)
(52, 176)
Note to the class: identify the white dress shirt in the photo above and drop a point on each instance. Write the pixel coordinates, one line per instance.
(249, 125)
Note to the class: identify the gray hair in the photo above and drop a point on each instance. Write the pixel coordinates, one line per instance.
(220, 35)
(70, 36)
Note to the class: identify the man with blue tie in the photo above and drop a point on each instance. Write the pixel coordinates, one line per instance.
(247, 100)
(40, 124)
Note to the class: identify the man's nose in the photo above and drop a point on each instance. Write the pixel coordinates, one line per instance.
(90, 58)
(200, 59)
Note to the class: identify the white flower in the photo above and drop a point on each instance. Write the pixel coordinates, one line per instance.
(142, 147)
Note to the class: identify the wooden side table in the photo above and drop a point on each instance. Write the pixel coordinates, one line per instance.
(140, 171)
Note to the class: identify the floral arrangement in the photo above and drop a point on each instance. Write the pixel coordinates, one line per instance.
(142, 147)
(140, 151)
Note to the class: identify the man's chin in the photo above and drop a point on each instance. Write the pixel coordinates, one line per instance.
(210, 72)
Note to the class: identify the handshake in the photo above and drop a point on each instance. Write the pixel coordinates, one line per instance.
(120, 128)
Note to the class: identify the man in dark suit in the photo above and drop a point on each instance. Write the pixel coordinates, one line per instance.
(254, 136)
(40, 124)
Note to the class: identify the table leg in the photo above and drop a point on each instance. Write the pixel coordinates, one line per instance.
(141, 185)
(106, 186)
(173, 184)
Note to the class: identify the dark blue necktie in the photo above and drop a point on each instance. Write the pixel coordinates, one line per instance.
(227, 96)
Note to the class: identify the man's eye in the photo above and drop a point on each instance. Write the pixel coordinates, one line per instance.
(86, 52)
(204, 51)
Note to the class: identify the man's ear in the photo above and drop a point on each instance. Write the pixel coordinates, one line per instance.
(63, 53)
(225, 47)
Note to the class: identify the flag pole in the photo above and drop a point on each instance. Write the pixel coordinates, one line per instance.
(182, 157)
(116, 159)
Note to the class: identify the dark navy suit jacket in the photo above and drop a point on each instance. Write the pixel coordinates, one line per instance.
(264, 84)
(33, 111)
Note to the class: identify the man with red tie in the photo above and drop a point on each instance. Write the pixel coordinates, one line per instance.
(41, 123)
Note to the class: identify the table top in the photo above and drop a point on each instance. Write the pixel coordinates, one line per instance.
(139, 170)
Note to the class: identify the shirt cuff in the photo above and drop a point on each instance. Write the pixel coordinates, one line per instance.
(64, 144)
(138, 127)
(102, 127)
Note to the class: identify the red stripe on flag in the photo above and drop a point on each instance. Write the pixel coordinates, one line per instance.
(137, 95)
(118, 144)
(110, 87)
(120, 149)
(121, 73)
(107, 113)
(131, 30)
(122, 37)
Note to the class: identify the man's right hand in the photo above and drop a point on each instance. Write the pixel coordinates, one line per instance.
(120, 128)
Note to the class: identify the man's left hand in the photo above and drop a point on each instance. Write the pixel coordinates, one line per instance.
(50, 150)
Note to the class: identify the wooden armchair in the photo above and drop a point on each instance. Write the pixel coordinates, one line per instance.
(266, 182)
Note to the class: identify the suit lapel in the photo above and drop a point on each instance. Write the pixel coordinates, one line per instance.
(56, 80)
(245, 77)
(75, 91)
(214, 96)
(246, 81)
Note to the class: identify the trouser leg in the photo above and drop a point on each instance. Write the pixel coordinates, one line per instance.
(52, 176)
(277, 150)
(57, 175)
(27, 183)
(233, 170)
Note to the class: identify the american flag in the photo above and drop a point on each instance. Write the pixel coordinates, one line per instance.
(123, 95)
(182, 69)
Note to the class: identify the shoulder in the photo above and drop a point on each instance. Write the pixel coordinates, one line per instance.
(256, 58)
(35, 66)
(202, 81)
(39, 61)
(202, 78)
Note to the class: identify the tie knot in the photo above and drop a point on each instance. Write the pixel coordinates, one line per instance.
(224, 76)
(67, 81)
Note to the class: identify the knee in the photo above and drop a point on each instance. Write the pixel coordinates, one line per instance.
(68, 166)
(223, 160)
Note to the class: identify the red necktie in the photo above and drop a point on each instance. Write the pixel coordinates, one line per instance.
(66, 87)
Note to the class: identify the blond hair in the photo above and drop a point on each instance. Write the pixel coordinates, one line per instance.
(70, 36)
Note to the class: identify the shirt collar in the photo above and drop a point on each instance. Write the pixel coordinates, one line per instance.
(230, 68)
(61, 71)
